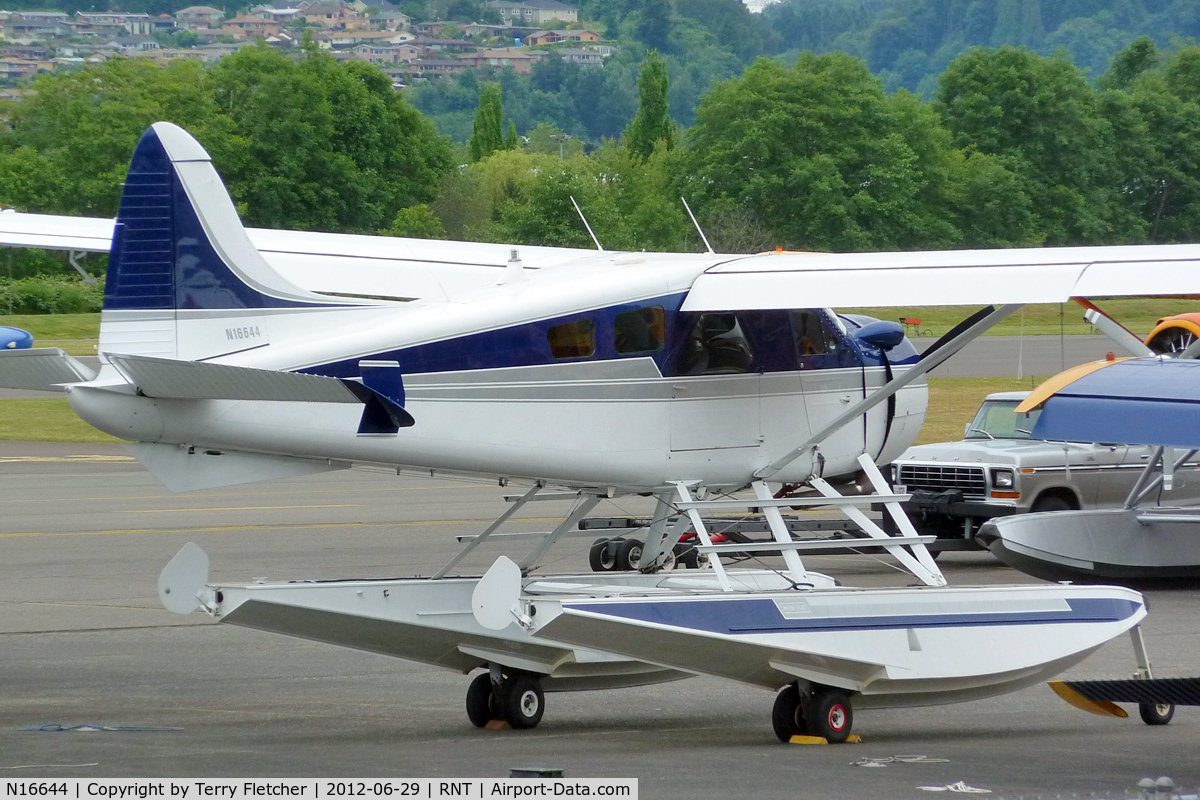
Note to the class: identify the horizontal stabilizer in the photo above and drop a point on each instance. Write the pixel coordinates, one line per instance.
(196, 380)
(43, 369)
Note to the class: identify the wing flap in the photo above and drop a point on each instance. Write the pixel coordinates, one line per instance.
(43, 369)
(197, 380)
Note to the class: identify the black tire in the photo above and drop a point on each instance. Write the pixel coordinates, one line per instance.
(481, 703)
(523, 702)
(831, 716)
(686, 555)
(1156, 714)
(629, 554)
(787, 716)
(1051, 503)
(602, 557)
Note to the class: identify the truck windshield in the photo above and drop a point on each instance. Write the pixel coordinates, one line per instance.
(997, 419)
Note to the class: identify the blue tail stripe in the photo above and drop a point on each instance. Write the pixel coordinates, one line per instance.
(162, 257)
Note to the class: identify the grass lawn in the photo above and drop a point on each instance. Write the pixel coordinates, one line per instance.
(77, 334)
(1138, 315)
(954, 401)
(49, 420)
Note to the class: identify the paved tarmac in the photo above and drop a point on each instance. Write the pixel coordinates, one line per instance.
(1021, 356)
(85, 531)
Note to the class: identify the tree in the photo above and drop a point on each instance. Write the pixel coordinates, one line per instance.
(1041, 114)
(549, 140)
(821, 157)
(487, 134)
(653, 120)
(416, 222)
(332, 145)
(67, 145)
(1157, 122)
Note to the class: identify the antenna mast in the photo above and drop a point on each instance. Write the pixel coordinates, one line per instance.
(585, 224)
(698, 228)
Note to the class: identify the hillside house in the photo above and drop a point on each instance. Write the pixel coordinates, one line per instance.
(521, 61)
(435, 67)
(194, 17)
(244, 26)
(584, 56)
(37, 24)
(335, 16)
(544, 37)
(132, 24)
(533, 12)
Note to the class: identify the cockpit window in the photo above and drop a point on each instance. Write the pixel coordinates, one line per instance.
(572, 339)
(813, 335)
(642, 330)
(716, 346)
(997, 419)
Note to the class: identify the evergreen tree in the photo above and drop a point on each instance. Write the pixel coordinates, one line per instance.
(512, 141)
(487, 134)
(653, 120)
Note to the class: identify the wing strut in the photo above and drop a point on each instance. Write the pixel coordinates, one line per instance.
(945, 347)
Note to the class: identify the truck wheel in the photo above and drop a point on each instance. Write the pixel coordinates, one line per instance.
(1051, 503)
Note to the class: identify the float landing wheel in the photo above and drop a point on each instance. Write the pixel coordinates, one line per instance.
(1156, 713)
(787, 716)
(831, 715)
(524, 702)
(481, 701)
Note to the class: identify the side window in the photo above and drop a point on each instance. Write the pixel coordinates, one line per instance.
(572, 339)
(642, 330)
(813, 338)
(715, 346)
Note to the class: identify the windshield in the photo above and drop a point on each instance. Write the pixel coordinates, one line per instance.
(997, 419)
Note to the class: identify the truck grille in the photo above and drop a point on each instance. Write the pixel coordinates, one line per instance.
(938, 479)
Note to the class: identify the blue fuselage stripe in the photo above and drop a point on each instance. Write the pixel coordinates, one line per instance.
(763, 616)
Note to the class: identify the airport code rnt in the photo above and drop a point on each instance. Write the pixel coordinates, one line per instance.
(245, 789)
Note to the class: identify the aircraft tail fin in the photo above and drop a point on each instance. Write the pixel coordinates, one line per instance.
(184, 280)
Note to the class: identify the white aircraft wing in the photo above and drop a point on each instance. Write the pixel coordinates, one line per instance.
(55, 232)
(324, 262)
(945, 277)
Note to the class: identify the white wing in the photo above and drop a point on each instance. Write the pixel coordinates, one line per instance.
(945, 277)
(324, 262)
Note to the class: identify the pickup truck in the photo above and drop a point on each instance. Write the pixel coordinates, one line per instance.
(997, 469)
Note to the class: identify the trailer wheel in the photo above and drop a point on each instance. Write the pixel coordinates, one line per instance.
(603, 555)
(1156, 713)
(831, 716)
(629, 554)
(523, 701)
(481, 701)
(787, 716)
